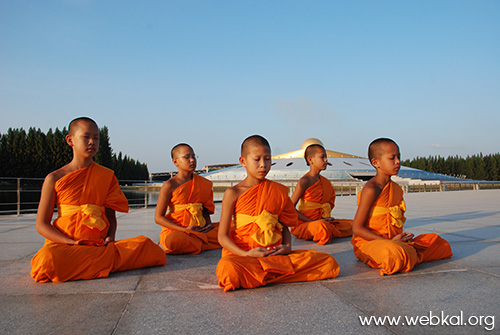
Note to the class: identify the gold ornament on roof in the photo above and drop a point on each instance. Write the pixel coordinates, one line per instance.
(308, 142)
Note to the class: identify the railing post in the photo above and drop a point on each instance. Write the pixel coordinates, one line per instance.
(18, 196)
(146, 194)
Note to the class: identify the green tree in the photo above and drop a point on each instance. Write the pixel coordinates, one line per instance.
(104, 155)
(35, 154)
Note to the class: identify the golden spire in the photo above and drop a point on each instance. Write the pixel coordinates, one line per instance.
(308, 142)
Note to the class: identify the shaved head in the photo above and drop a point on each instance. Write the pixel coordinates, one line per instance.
(75, 123)
(252, 141)
(176, 149)
(311, 150)
(375, 150)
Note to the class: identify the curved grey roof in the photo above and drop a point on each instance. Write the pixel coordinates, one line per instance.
(341, 169)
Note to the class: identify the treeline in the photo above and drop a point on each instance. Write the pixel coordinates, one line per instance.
(34, 154)
(476, 167)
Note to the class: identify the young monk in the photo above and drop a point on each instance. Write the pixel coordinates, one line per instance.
(80, 243)
(317, 199)
(378, 236)
(257, 244)
(187, 228)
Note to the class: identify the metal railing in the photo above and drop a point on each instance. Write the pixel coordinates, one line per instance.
(348, 188)
(21, 195)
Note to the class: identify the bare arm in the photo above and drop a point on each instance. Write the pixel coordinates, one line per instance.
(286, 245)
(225, 240)
(302, 217)
(111, 216)
(161, 209)
(297, 194)
(208, 222)
(369, 194)
(46, 211)
(367, 198)
(287, 237)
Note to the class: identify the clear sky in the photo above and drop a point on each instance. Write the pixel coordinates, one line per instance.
(211, 73)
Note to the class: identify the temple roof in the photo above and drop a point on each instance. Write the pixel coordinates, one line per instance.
(300, 153)
(291, 166)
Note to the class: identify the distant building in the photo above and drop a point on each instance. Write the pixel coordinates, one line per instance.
(289, 167)
(163, 176)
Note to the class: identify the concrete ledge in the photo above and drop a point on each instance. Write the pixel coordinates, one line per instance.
(183, 297)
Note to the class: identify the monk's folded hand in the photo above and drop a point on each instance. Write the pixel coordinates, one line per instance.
(259, 252)
(208, 227)
(198, 229)
(407, 237)
(281, 250)
(108, 240)
(403, 237)
(94, 243)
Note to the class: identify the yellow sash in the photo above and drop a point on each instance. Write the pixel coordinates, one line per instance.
(397, 213)
(326, 208)
(91, 214)
(267, 222)
(196, 211)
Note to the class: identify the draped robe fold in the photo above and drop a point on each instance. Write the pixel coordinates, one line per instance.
(81, 198)
(317, 203)
(386, 219)
(234, 271)
(185, 209)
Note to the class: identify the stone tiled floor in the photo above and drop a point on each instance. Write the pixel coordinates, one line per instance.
(183, 297)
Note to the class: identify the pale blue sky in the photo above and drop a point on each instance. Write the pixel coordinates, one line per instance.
(211, 73)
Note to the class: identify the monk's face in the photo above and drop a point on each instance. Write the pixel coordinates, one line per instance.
(319, 160)
(185, 159)
(388, 161)
(257, 161)
(84, 139)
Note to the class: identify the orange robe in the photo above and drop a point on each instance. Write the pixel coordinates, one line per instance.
(185, 209)
(267, 207)
(317, 203)
(81, 197)
(386, 219)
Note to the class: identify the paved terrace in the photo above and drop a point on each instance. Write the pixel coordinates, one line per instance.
(183, 297)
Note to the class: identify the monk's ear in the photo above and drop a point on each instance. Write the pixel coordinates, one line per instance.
(174, 160)
(309, 160)
(242, 161)
(69, 140)
(375, 163)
